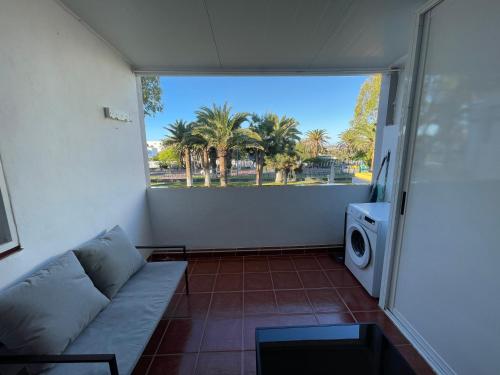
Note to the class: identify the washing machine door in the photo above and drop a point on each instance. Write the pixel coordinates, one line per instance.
(358, 245)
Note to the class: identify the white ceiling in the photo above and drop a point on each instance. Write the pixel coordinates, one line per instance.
(246, 36)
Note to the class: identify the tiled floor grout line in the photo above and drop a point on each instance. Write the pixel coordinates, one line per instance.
(175, 307)
(305, 291)
(323, 271)
(346, 306)
(195, 367)
(268, 290)
(153, 356)
(242, 343)
(368, 311)
(201, 352)
(274, 287)
(336, 291)
(242, 255)
(237, 273)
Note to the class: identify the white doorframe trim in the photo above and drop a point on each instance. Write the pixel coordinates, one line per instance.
(404, 150)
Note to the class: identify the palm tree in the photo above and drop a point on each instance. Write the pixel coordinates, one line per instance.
(222, 130)
(276, 134)
(361, 138)
(205, 163)
(182, 139)
(316, 141)
(285, 162)
(202, 149)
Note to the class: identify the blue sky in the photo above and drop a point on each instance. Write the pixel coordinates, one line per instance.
(317, 102)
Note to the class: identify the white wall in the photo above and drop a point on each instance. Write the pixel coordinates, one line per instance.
(71, 173)
(252, 217)
(392, 132)
(388, 135)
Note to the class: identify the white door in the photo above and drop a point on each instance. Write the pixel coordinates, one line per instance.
(447, 277)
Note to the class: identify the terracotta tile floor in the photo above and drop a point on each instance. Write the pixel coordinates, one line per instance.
(212, 330)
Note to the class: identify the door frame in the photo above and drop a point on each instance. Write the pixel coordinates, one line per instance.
(404, 153)
(404, 160)
(13, 245)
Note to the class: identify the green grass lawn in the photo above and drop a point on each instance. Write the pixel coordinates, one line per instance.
(234, 181)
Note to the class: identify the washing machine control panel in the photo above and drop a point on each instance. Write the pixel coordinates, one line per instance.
(369, 220)
(365, 220)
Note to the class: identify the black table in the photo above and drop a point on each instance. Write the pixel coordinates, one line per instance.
(331, 349)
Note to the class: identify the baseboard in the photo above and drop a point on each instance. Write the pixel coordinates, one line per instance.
(249, 251)
(432, 357)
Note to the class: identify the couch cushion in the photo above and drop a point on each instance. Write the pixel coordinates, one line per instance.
(126, 325)
(109, 260)
(48, 310)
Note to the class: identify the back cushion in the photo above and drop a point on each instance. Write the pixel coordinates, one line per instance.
(110, 260)
(46, 312)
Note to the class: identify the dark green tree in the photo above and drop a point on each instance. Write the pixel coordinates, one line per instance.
(276, 134)
(316, 141)
(223, 131)
(360, 136)
(151, 95)
(182, 139)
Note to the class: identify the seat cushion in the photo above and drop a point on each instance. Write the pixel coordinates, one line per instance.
(126, 325)
(44, 313)
(109, 260)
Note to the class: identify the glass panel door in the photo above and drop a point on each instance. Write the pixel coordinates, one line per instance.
(448, 277)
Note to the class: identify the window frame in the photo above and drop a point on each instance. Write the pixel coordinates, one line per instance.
(13, 245)
(387, 74)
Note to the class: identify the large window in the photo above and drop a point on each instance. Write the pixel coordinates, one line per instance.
(260, 131)
(8, 233)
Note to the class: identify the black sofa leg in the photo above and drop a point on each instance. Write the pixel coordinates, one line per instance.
(184, 253)
(186, 281)
(113, 367)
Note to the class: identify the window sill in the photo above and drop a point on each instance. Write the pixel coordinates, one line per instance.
(6, 253)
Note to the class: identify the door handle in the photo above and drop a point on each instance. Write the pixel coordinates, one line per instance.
(403, 203)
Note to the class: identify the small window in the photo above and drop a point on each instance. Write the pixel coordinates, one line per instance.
(8, 233)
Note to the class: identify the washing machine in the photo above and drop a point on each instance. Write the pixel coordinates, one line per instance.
(366, 229)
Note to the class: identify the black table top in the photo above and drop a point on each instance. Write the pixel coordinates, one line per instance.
(329, 349)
